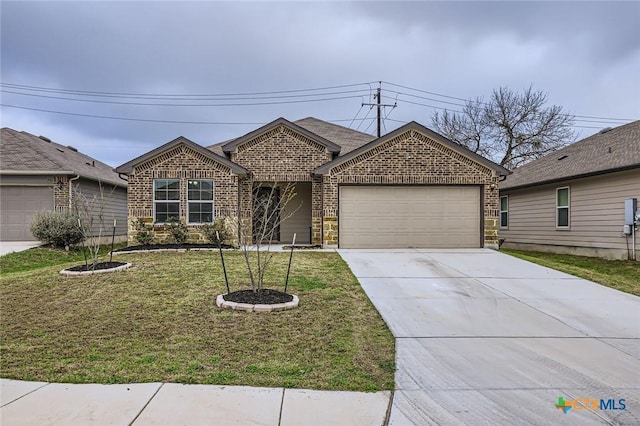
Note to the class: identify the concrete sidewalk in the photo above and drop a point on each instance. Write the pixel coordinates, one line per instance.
(38, 403)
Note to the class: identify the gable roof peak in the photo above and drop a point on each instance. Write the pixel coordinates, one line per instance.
(233, 144)
(180, 140)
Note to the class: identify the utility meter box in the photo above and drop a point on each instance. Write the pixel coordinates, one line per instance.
(630, 210)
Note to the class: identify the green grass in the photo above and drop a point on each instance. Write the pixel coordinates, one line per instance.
(41, 257)
(158, 322)
(623, 275)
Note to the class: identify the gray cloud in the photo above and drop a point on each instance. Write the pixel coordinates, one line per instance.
(585, 55)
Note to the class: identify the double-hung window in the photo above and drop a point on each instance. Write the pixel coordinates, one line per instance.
(166, 200)
(504, 211)
(200, 201)
(562, 207)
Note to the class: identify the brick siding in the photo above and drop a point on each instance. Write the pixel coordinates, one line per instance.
(283, 155)
(181, 163)
(411, 158)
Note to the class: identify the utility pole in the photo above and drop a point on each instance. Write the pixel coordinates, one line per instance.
(379, 105)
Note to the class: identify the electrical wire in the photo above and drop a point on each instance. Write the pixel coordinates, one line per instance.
(171, 96)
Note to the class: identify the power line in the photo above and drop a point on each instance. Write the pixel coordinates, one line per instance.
(466, 100)
(130, 119)
(172, 96)
(198, 105)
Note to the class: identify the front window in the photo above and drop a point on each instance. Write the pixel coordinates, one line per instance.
(166, 200)
(504, 211)
(562, 207)
(200, 201)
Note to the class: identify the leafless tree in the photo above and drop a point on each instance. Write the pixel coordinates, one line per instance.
(511, 128)
(268, 212)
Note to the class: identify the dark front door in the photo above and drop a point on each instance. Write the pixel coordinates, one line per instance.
(266, 215)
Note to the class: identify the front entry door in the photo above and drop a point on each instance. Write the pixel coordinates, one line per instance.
(266, 215)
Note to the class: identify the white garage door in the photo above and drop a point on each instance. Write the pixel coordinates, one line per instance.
(18, 206)
(409, 216)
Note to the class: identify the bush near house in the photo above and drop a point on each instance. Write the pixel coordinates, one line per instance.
(57, 228)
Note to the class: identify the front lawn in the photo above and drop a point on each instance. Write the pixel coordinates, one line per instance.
(158, 322)
(40, 257)
(623, 275)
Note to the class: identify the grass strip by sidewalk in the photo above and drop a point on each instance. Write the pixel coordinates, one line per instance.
(157, 322)
(623, 275)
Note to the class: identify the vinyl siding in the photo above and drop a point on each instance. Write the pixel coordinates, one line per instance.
(115, 206)
(596, 212)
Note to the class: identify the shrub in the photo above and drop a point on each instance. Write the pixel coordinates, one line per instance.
(209, 231)
(178, 230)
(144, 234)
(56, 228)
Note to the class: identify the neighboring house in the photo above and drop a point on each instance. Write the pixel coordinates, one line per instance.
(409, 188)
(38, 174)
(572, 201)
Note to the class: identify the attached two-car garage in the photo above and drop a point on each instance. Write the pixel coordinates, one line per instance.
(446, 216)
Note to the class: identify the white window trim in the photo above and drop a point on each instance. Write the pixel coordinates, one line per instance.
(568, 207)
(504, 211)
(153, 188)
(213, 205)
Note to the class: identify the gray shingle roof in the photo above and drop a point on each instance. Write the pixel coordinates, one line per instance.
(24, 152)
(347, 139)
(607, 151)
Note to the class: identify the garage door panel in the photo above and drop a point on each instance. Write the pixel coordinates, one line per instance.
(410, 216)
(18, 207)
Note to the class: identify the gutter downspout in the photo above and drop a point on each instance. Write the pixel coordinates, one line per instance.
(71, 191)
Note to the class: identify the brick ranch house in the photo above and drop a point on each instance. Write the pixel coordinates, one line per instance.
(409, 188)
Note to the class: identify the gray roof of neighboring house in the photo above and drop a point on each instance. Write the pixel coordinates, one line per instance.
(326, 168)
(127, 167)
(24, 153)
(347, 139)
(607, 151)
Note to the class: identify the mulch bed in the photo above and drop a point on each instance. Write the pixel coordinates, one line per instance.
(186, 246)
(259, 297)
(99, 266)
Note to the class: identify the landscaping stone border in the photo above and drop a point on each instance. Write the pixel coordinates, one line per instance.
(99, 271)
(225, 304)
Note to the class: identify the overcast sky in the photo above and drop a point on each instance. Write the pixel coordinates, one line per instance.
(584, 55)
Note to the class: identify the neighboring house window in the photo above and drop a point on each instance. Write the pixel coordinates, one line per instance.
(200, 201)
(166, 199)
(504, 211)
(562, 207)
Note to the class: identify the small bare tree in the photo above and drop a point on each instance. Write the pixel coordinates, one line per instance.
(268, 213)
(90, 211)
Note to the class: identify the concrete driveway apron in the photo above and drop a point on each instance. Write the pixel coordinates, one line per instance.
(486, 338)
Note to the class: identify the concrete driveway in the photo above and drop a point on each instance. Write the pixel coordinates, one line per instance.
(486, 338)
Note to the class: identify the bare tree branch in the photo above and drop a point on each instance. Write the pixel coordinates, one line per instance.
(510, 129)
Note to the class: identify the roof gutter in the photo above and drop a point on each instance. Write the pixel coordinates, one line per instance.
(36, 172)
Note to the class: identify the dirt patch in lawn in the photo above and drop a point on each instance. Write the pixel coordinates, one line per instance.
(265, 296)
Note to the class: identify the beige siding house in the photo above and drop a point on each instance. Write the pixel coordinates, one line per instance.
(573, 200)
(39, 174)
(409, 188)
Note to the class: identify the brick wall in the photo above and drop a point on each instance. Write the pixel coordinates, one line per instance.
(181, 163)
(411, 159)
(283, 155)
